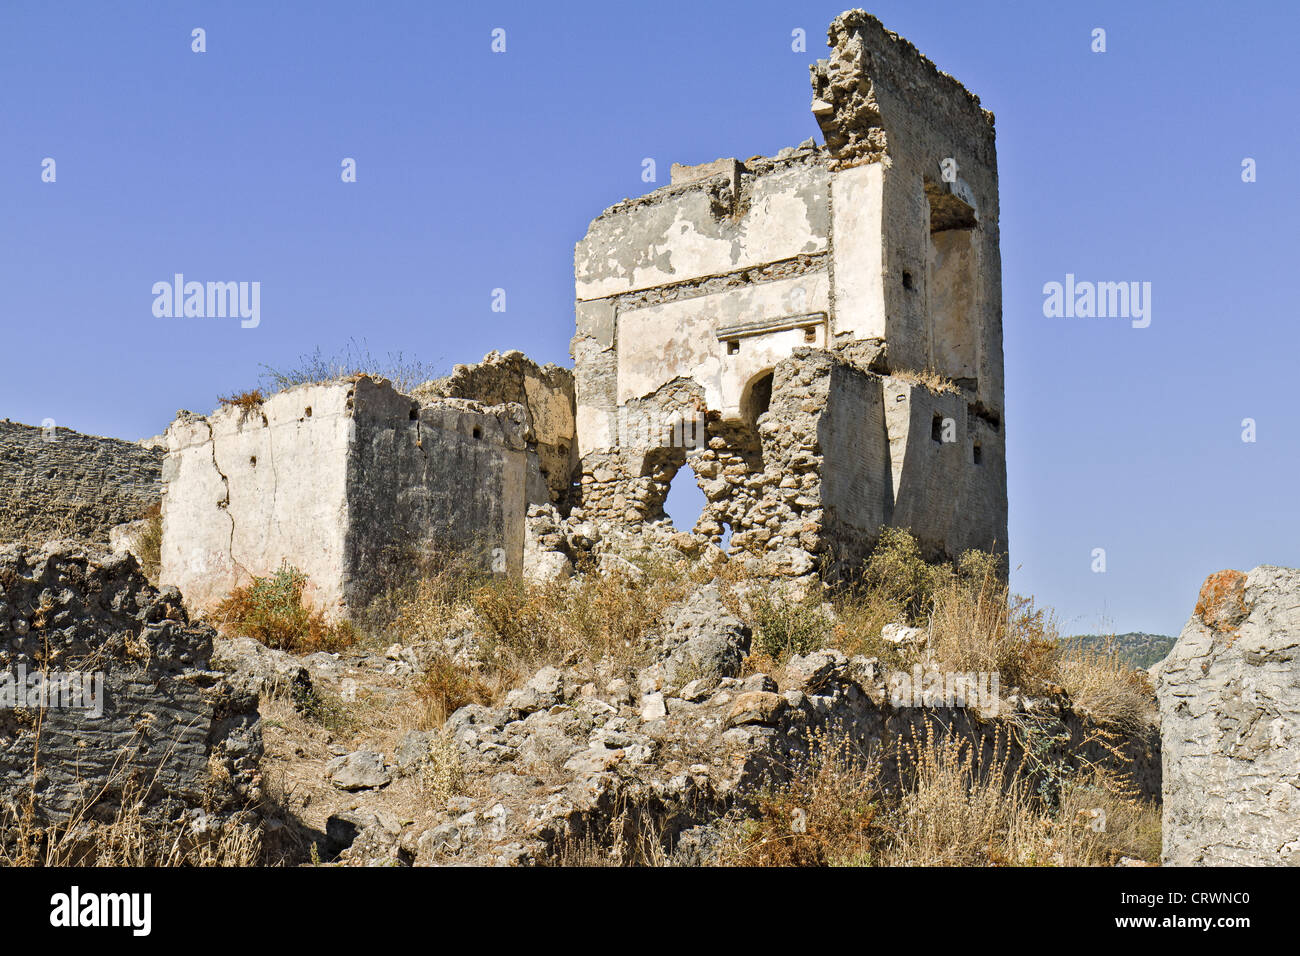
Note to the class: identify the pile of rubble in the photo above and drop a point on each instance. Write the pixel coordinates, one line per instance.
(574, 759)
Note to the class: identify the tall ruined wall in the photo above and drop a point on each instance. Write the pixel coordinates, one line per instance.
(247, 489)
(450, 474)
(874, 259)
(57, 483)
(915, 194)
(350, 482)
(1229, 695)
(948, 468)
(546, 394)
(666, 281)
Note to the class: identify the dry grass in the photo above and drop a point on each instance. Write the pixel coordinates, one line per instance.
(245, 401)
(953, 809)
(783, 628)
(132, 838)
(272, 610)
(931, 379)
(441, 775)
(896, 585)
(351, 362)
(973, 623)
(626, 837)
(139, 833)
(445, 687)
(1106, 688)
(959, 810)
(825, 815)
(976, 624)
(148, 544)
(590, 621)
(433, 603)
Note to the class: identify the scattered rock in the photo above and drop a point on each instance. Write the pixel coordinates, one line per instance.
(903, 635)
(545, 689)
(811, 672)
(360, 770)
(653, 707)
(254, 668)
(342, 829)
(704, 639)
(756, 707)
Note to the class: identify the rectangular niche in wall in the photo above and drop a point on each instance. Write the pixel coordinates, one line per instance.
(952, 286)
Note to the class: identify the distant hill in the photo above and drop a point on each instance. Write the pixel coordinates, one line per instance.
(1137, 649)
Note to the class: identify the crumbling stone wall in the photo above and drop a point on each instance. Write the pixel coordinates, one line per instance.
(172, 735)
(546, 394)
(351, 482)
(58, 483)
(1229, 695)
(915, 182)
(870, 263)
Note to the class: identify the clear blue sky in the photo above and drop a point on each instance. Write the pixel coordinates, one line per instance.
(479, 170)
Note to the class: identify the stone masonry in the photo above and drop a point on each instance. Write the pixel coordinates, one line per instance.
(817, 335)
(545, 392)
(771, 322)
(56, 483)
(154, 724)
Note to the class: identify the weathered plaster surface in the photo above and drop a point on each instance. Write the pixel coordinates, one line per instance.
(351, 482)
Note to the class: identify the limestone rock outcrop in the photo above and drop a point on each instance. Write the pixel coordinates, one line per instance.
(1229, 697)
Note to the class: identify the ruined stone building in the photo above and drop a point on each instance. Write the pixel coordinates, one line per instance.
(815, 338)
(769, 324)
(357, 485)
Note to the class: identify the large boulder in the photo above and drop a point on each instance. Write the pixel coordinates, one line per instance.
(703, 638)
(1229, 697)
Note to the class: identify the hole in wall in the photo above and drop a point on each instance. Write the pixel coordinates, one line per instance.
(733, 347)
(252, 460)
(685, 502)
(307, 413)
(810, 334)
(415, 414)
(757, 397)
(907, 280)
(478, 432)
(936, 429)
(978, 454)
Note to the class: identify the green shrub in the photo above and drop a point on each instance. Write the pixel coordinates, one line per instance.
(786, 628)
(897, 573)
